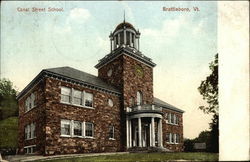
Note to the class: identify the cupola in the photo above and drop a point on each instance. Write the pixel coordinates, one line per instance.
(124, 35)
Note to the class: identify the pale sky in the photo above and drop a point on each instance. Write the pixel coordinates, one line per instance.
(182, 44)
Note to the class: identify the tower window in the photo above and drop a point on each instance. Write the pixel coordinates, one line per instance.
(139, 98)
(111, 132)
(110, 102)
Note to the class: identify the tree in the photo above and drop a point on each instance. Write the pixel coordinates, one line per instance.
(8, 102)
(209, 90)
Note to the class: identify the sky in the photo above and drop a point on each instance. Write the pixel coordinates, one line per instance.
(182, 44)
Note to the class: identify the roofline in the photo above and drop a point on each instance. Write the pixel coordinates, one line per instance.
(167, 107)
(28, 87)
(127, 53)
(45, 73)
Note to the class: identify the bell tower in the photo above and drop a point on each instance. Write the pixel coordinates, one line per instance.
(126, 68)
(124, 35)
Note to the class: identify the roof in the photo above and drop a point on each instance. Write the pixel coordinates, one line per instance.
(159, 102)
(124, 24)
(82, 76)
(73, 75)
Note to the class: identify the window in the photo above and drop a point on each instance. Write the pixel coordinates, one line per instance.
(139, 98)
(29, 131)
(111, 132)
(77, 128)
(30, 149)
(177, 138)
(65, 127)
(173, 138)
(65, 94)
(168, 137)
(109, 73)
(71, 128)
(26, 132)
(177, 120)
(88, 99)
(89, 129)
(77, 99)
(169, 118)
(32, 130)
(174, 119)
(30, 102)
(110, 102)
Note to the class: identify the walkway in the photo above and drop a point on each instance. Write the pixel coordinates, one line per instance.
(23, 158)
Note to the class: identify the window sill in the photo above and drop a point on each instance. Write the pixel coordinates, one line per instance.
(66, 103)
(172, 124)
(30, 109)
(65, 136)
(170, 143)
(69, 136)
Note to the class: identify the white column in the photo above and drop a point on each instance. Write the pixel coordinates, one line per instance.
(139, 131)
(138, 43)
(115, 42)
(150, 134)
(127, 132)
(119, 39)
(135, 43)
(135, 137)
(130, 133)
(160, 133)
(111, 45)
(125, 37)
(153, 131)
(130, 39)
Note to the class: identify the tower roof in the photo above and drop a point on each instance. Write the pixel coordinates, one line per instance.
(124, 24)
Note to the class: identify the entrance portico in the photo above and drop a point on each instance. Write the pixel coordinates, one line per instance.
(144, 126)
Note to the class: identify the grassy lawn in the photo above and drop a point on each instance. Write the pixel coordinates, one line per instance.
(145, 157)
(8, 135)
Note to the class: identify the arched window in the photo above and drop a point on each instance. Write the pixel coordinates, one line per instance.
(139, 98)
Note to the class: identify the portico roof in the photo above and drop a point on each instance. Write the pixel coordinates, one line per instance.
(166, 105)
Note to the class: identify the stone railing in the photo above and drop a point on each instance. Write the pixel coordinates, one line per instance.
(144, 108)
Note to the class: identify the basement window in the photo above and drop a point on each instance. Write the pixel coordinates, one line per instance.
(30, 149)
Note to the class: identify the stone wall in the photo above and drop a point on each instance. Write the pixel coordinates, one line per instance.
(126, 78)
(116, 79)
(134, 81)
(170, 128)
(35, 115)
(102, 116)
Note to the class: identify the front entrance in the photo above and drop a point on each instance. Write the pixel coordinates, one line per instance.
(146, 131)
(145, 134)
